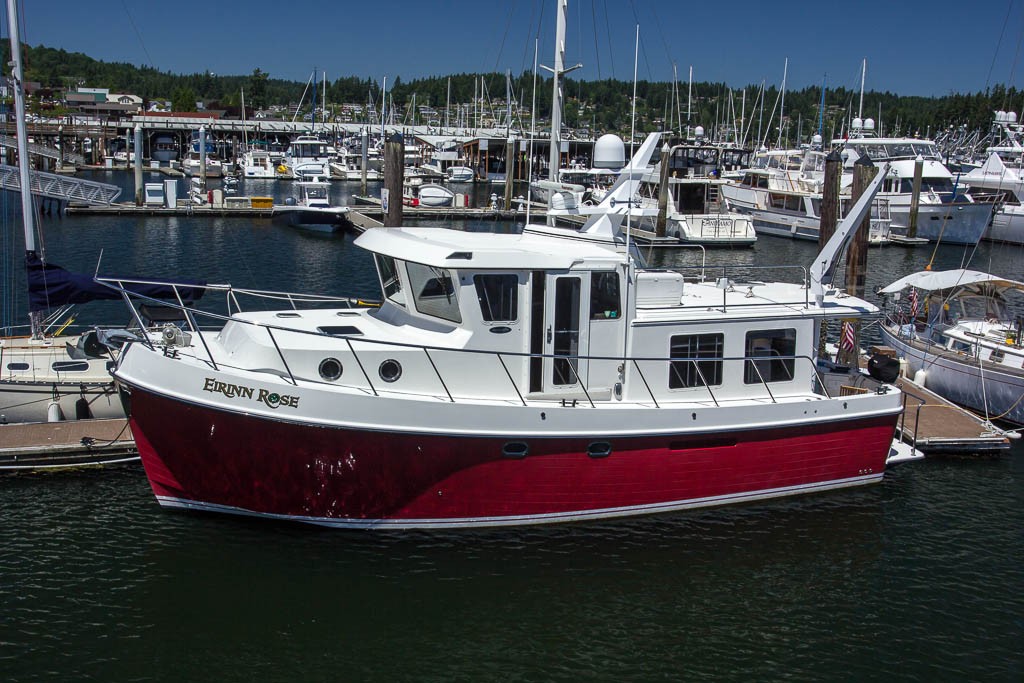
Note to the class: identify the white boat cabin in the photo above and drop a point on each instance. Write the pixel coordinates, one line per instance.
(543, 320)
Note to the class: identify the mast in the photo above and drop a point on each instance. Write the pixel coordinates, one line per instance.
(863, 71)
(821, 107)
(245, 132)
(689, 98)
(312, 114)
(782, 104)
(447, 105)
(27, 205)
(556, 89)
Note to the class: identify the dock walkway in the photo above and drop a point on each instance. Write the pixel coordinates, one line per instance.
(72, 443)
(935, 426)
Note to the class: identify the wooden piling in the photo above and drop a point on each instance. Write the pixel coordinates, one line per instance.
(394, 167)
(915, 196)
(663, 192)
(830, 198)
(857, 253)
(365, 157)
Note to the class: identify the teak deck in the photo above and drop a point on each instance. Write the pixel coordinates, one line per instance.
(942, 427)
(73, 443)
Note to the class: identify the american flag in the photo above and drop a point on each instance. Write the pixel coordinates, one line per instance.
(913, 303)
(848, 338)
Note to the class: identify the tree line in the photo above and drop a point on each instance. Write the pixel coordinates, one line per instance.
(601, 105)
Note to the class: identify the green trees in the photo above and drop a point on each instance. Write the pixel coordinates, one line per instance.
(604, 105)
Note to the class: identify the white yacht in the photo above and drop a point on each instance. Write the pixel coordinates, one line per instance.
(313, 209)
(781, 193)
(1003, 186)
(308, 156)
(258, 163)
(946, 212)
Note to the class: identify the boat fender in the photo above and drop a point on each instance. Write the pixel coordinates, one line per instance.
(920, 377)
(82, 409)
(54, 412)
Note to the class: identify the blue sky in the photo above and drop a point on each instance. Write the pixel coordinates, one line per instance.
(925, 48)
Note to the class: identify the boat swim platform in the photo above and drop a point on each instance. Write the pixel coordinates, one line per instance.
(66, 444)
(936, 426)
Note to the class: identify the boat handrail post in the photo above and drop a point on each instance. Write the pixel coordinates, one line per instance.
(439, 377)
(280, 355)
(577, 376)
(644, 379)
(817, 376)
(510, 379)
(753, 364)
(135, 314)
(360, 364)
(707, 386)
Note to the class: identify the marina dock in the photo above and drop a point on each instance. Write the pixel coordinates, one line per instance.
(73, 443)
(935, 426)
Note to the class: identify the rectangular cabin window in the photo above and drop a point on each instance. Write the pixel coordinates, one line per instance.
(604, 296)
(434, 292)
(772, 351)
(703, 360)
(387, 269)
(498, 295)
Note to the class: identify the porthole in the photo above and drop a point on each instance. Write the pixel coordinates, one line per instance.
(390, 370)
(330, 369)
(17, 367)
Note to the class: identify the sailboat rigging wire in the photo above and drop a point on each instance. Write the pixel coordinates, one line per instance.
(608, 31)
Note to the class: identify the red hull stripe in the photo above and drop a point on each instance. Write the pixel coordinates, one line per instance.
(230, 462)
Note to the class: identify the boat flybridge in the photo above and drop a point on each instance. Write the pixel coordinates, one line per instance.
(508, 379)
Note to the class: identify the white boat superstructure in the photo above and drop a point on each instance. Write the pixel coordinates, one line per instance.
(258, 163)
(308, 156)
(1003, 187)
(946, 212)
(696, 212)
(783, 198)
(959, 339)
(313, 209)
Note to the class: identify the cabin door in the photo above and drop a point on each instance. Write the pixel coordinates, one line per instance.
(565, 333)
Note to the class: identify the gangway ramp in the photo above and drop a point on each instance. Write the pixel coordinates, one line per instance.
(55, 186)
(42, 150)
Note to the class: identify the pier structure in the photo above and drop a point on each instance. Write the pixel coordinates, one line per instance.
(485, 149)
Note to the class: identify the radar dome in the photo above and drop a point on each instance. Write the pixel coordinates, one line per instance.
(869, 124)
(816, 140)
(1000, 116)
(1011, 116)
(699, 131)
(858, 123)
(609, 152)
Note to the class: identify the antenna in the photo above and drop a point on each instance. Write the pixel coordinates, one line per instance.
(863, 71)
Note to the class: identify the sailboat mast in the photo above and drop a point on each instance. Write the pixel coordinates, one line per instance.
(689, 99)
(312, 114)
(27, 208)
(821, 107)
(863, 71)
(556, 91)
(782, 104)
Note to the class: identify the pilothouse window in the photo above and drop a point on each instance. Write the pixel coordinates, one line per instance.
(434, 292)
(389, 280)
(498, 295)
(604, 296)
(777, 348)
(703, 364)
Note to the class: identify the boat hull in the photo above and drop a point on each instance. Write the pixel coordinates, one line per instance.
(236, 462)
(962, 382)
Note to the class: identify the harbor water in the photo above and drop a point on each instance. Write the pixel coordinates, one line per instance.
(918, 578)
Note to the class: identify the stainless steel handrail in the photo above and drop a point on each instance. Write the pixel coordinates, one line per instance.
(190, 313)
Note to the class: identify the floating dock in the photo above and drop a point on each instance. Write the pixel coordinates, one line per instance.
(180, 210)
(72, 443)
(935, 426)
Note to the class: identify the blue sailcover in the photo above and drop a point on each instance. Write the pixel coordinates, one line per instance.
(50, 286)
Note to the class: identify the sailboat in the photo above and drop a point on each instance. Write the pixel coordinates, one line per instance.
(48, 377)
